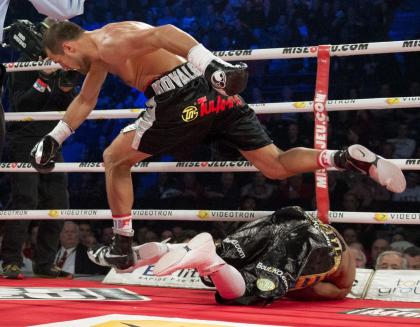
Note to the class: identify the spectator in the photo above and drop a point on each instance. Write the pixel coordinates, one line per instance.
(259, 189)
(179, 234)
(166, 234)
(391, 260)
(188, 19)
(412, 192)
(403, 143)
(85, 230)
(412, 255)
(225, 194)
(191, 191)
(151, 236)
(295, 191)
(358, 256)
(248, 203)
(379, 245)
(400, 246)
(350, 202)
(350, 235)
(106, 235)
(72, 255)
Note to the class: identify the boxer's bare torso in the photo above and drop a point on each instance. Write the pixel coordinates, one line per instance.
(117, 49)
(136, 52)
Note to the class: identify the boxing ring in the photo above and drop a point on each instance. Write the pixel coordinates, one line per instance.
(228, 316)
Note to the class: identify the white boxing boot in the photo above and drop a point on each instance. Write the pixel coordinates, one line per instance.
(199, 253)
(358, 158)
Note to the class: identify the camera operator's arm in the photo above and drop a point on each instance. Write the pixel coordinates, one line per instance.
(27, 95)
(45, 150)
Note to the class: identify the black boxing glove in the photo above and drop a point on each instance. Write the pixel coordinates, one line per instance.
(227, 79)
(43, 153)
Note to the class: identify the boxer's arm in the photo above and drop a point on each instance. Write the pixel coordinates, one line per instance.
(225, 78)
(320, 291)
(85, 101)
(43, 153)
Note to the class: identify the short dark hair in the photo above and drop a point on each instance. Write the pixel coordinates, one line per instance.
(61, 32)
(412, 251)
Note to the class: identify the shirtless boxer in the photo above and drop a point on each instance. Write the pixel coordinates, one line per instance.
(288, 253)
(191, 94)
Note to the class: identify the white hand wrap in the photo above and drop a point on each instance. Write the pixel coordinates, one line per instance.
(200, 57)
(61, 132)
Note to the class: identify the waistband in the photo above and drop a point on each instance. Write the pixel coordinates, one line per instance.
(175, 79)
(337, 248)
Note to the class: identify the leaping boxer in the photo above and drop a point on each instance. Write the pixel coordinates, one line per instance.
(288, 253)
(192, 94)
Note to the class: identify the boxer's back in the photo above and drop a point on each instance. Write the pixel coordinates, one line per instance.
(123, 53)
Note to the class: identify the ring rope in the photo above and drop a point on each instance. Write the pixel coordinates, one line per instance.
(168, 167)
(259, 108)
(208, 215)
(339, 50)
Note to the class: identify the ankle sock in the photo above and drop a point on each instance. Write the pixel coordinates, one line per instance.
(123, 224)
(326, 158)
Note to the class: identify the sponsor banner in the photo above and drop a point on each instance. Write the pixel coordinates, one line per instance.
(395, 285)
(214, 215)
(411, 44)
(30, 65)
(396, 216)
(360, 283)
(357, 47)
(386, 312)
(150, 212)
(213, 164)
(55, 293)
(321, 129)
(55, 213)
(11, 213)
(185, 278)
(233, 53)
(114, 320)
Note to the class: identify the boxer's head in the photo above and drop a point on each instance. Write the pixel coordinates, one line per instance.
(63, 43)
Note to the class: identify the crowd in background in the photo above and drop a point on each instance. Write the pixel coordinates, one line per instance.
(245, 24)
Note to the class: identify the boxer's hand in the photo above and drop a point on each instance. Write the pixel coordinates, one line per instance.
(225, 78)
(42, 154)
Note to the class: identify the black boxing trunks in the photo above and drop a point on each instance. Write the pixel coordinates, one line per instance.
(183, 109)
(285, 251)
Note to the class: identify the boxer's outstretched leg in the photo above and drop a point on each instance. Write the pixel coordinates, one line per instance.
(277, 164)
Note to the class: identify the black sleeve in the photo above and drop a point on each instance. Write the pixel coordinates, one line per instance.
(23, 95)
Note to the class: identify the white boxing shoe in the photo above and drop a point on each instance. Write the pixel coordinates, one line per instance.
(358, 158)
(199, 253)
